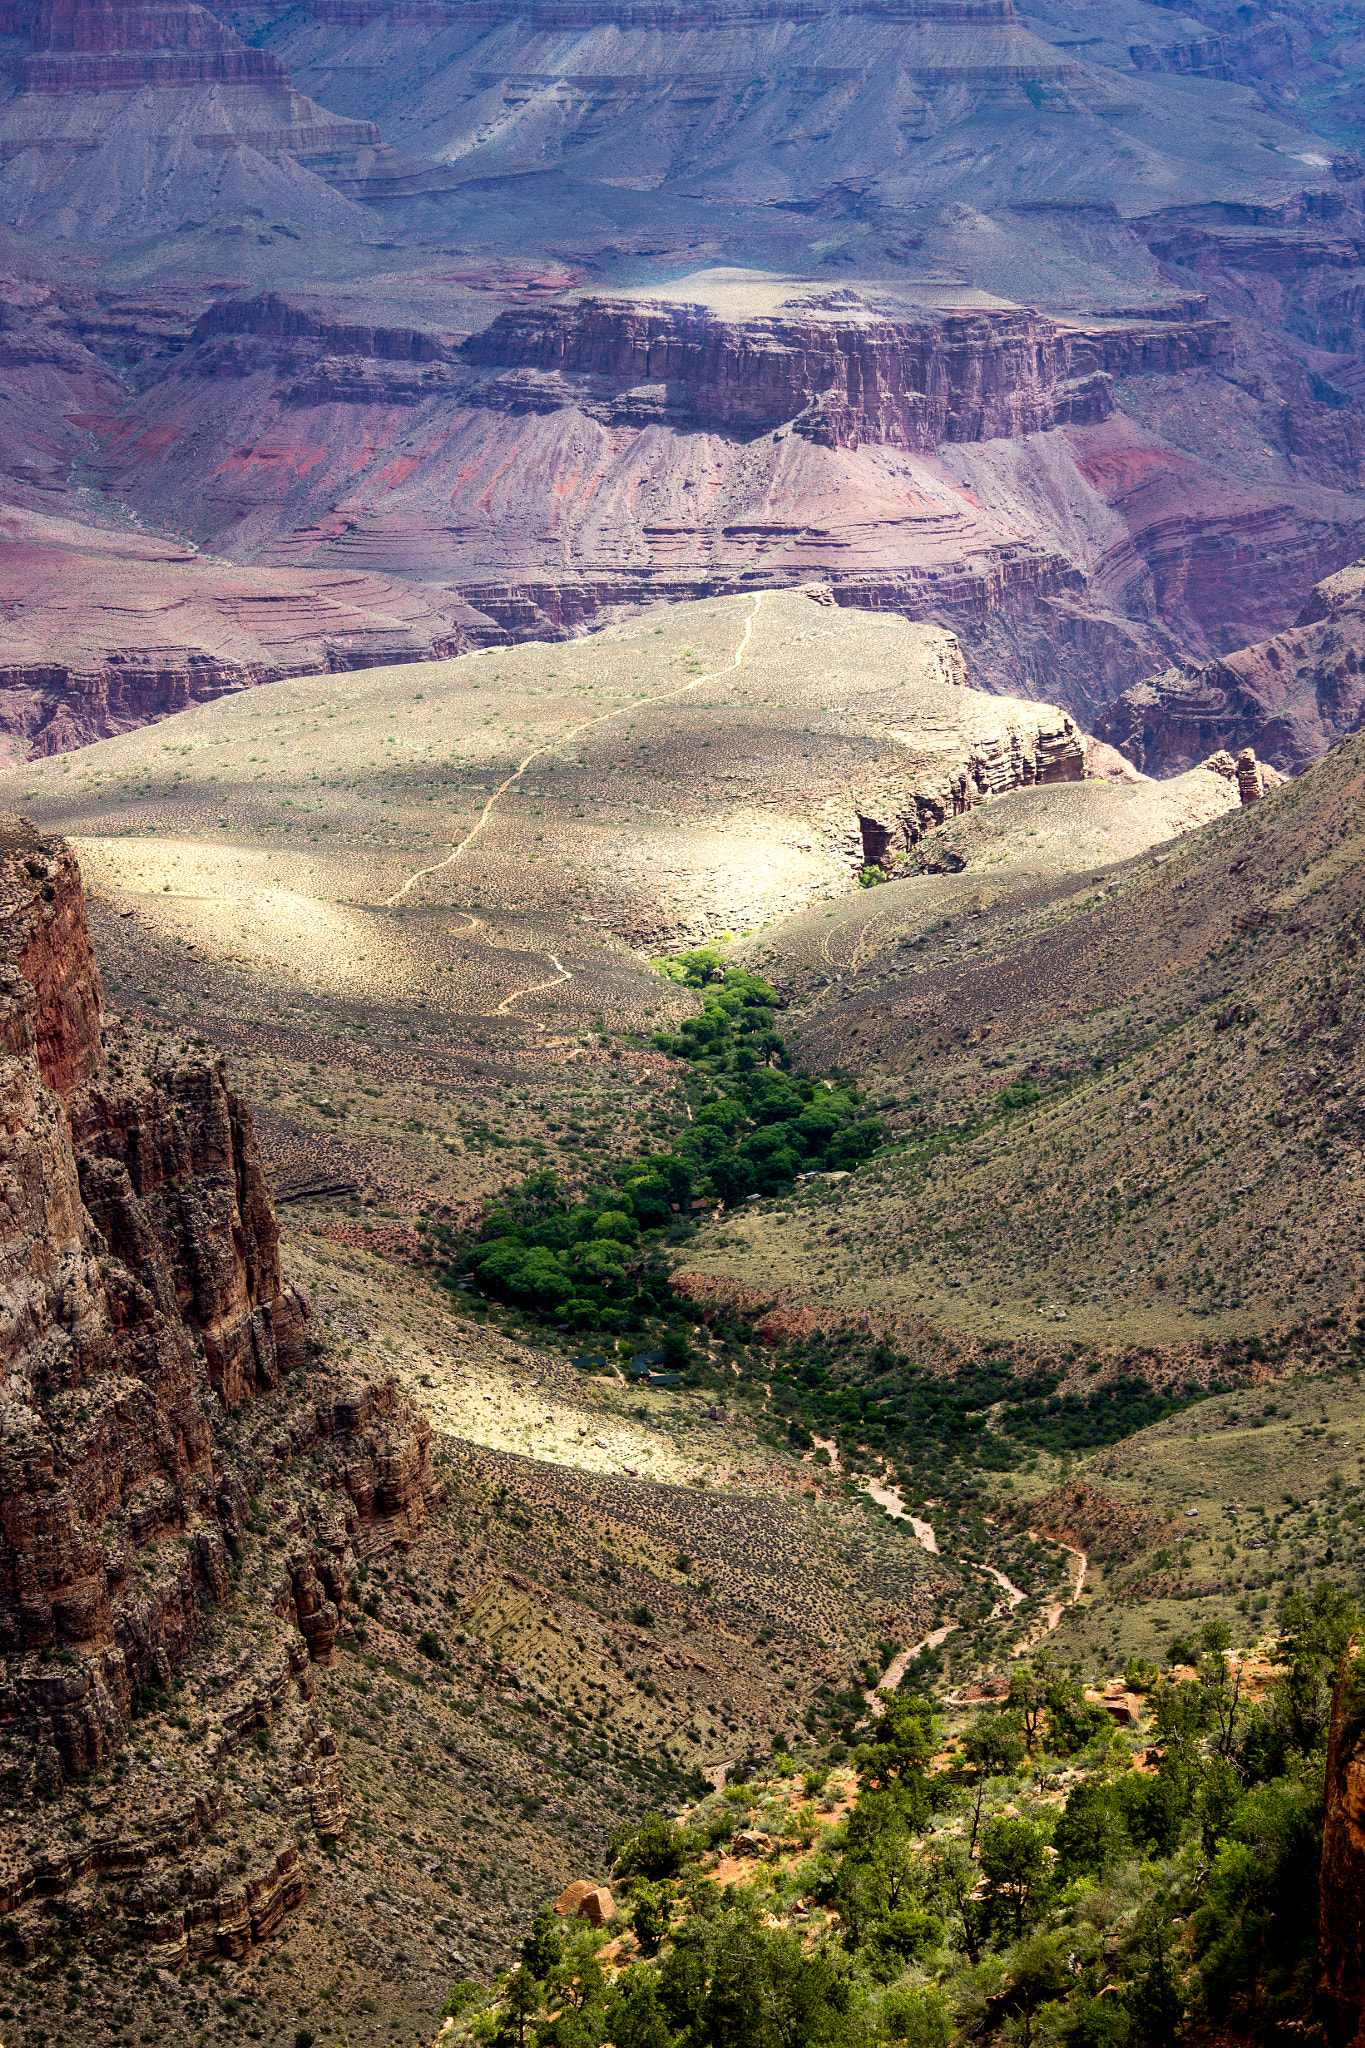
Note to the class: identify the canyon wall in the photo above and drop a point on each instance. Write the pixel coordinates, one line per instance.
(1004, 744)
(1341, 1932)
(841, 381)
(154, 1374)
(1290, 697)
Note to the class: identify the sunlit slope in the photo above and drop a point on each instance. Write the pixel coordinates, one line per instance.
(1191, 1162)
(509, 827)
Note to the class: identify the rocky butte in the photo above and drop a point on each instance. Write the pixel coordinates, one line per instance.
(154, 1369)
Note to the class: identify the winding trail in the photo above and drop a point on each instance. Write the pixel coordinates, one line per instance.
(901, 1662)
(890, 1498)
(1054, 1614)
(563, 975)
(563, 739)
(1013, 1594)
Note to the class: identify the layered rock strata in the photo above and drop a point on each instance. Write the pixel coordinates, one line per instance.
(838, 373)
(841, 371)
(157, 1412)
(1288, 698)
(1004, 744)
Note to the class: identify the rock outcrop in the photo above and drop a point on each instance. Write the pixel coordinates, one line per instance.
(155, 628)
(1003, 744)
(153, 1380)
(1341, 1931)
(1288, 699)
(842, 371)
(96, 46)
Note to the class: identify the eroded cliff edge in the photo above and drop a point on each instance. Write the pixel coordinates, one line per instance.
(155, 1374)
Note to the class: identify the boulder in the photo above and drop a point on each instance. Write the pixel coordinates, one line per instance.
(597, 1906)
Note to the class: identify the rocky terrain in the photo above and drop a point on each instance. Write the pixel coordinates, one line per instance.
(423, 334)
(1292, 696)
(490, 499)
(1166, 1048)
(227, 1549)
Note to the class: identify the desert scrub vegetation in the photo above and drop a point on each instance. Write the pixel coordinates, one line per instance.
(1043, 1879)
(593, 1260)
(989, 1413)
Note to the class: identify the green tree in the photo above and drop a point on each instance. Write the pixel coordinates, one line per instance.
(634, 2015)
(901, 1747)
(1038, 1976)
(650, 1918)
(1074, 1719)
(917, 2014)
(524, 1997)
(956, 1877)
(656, 1850)
(769, 1991)
(881, 1873)
(1028, 1697)
(543, 1948)
(1091, 1835)
(994, 1744)
(1155, 1996)
(1014, 1863)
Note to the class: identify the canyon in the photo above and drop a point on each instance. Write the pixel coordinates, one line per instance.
(348, 337)
(512, 517)
(144, 1307)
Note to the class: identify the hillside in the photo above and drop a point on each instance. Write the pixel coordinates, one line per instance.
(278, 293)
(1146, 1091)
(681, 1094)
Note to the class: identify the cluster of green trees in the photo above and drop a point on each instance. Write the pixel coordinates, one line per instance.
(962, 1904)
(886, 1399)
(592, 1261)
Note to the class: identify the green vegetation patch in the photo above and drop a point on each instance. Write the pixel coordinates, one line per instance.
(955, 1897)
(594, 1261)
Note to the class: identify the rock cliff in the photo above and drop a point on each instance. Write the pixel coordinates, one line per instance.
(100, 46)
(1002, 744)
(154, 1375)
(839, 370)
(1341, 1932)
(1289, 698)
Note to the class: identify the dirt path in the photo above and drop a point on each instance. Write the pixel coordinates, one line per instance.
(889, 1497)
(900, 1664)
(1054, 1614)
(563, 739)
(1013, 1594)
(563, 975)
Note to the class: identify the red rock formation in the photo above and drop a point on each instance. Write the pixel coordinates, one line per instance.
(1341, 1928)
(155, 629)
(843, 372)
(1288, 699)
(142, 1302)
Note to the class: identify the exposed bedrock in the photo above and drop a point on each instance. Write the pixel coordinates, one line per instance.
(1289, 698)
(836, 368)
(121, 45)
(399, 493)
(109, 631)
(840, 375)
(1004, 744)
(142, 1310)
(1341, 1931)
